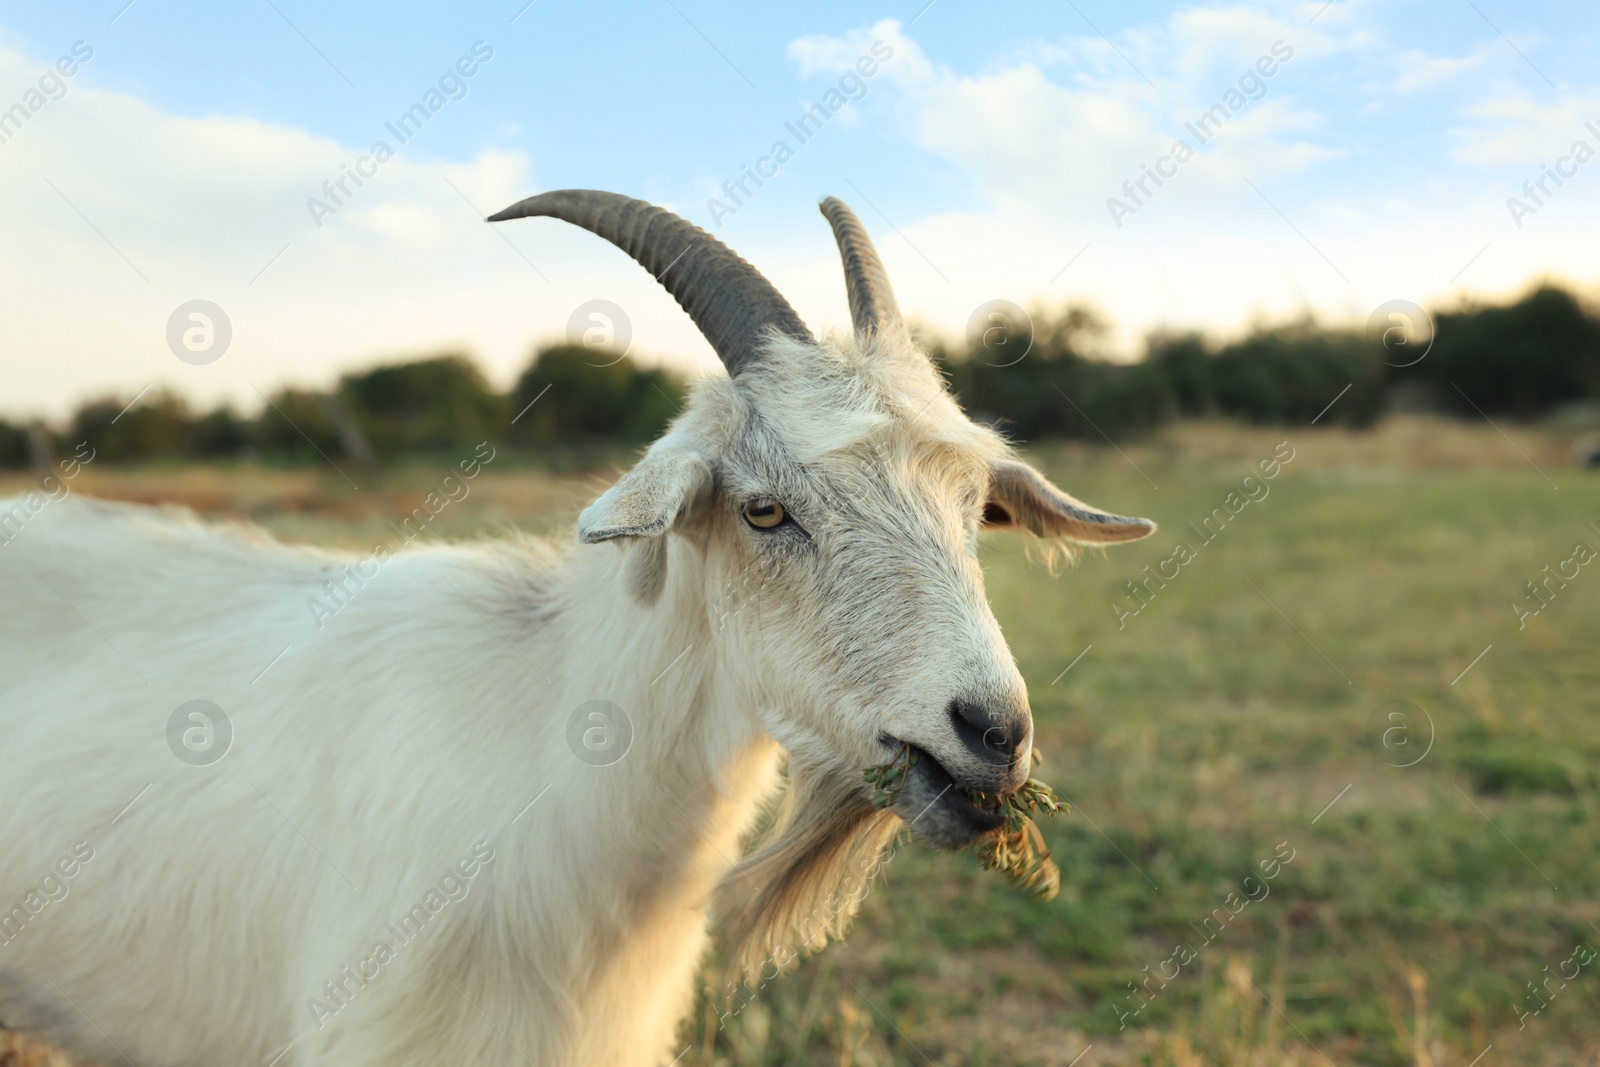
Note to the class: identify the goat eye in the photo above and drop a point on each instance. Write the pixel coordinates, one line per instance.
(764, 515)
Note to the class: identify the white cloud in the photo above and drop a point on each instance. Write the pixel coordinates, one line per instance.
(1053, 132)
(200, 206)
(1517, 130)
(1421, 72)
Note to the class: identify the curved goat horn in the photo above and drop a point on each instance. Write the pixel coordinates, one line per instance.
(872, 304)
(731, 302)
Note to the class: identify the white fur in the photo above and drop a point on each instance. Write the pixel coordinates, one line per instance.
(424, 717)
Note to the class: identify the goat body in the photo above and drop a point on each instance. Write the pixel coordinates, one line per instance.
(478, 803)
(232, 908)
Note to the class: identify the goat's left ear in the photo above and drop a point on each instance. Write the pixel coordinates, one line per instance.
(660, 490)
(1020, 496)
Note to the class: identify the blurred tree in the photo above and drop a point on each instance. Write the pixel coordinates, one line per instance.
(427, 406)
(592, 398)
(1290, 374)
(13, 446)
(156, 427)
(1520, 360)
(1037, 379)
(294, 428)
(219, 434)
(1185, 362)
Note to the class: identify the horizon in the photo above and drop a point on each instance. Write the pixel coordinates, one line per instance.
(253, 406)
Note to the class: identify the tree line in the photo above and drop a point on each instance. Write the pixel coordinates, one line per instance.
(1519, 360)
(1037, 381)
(570, 398)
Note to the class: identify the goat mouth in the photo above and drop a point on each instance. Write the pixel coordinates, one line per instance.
(938, 808)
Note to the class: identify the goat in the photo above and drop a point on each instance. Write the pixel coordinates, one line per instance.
(412, 853)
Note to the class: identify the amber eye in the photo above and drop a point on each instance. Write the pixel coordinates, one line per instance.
(764, 514)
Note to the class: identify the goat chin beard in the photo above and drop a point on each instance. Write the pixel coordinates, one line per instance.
(805, 882)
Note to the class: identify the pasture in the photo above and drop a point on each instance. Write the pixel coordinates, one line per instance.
(1307, 694)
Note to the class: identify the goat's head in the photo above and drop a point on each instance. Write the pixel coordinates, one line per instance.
(836, 491)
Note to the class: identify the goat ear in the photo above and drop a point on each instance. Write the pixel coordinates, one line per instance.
(642, 506)
(646, 501)
(1020, 496)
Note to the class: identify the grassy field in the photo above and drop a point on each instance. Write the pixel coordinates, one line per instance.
(1259, 707)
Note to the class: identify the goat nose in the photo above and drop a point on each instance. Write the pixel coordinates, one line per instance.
(992, 736)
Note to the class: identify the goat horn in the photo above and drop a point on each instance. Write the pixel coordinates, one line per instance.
(729, 300)
(872, 304)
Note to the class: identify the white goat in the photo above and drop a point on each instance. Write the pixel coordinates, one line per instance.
(404, 858)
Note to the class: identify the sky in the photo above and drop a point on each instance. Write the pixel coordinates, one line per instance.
(1356, 153)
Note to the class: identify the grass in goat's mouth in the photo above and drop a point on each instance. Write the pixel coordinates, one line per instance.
(1016, 848)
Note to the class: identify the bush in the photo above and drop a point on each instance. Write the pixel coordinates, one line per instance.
(591, 398)
(1057, 389)
(1520, 360)
(295, 428)
(219, 434)
(14, 453)
(158, 427)
(428, 406)
(1291, 375)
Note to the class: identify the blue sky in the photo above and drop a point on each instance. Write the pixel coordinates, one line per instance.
(1375, 163)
